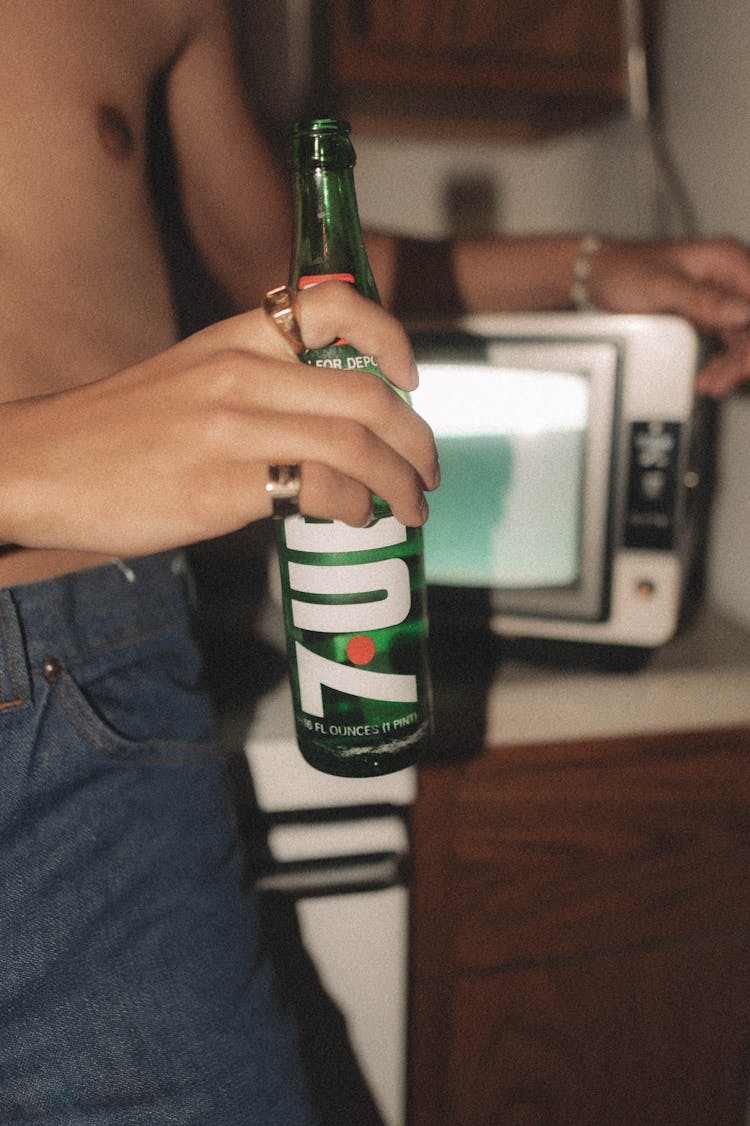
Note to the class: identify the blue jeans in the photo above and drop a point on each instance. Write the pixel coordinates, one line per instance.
(133, 982)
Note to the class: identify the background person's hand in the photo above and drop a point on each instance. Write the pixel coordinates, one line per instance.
(707, 282)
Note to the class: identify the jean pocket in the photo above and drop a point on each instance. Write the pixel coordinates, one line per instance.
(146, 703)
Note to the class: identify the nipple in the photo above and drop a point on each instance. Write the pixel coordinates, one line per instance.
(115, 131)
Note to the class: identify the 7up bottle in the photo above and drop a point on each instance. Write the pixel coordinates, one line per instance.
(354, 598)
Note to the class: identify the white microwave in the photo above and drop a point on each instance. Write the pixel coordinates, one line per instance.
(570, 454)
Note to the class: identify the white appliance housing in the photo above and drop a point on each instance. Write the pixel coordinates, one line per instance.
(346, 872)
(515, 380)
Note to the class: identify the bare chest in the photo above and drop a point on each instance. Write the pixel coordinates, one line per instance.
(82, 280)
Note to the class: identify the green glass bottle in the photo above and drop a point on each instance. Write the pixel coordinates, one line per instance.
(354, 598)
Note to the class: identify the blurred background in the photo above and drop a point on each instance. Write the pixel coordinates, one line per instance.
(627, 117)
(574, 909)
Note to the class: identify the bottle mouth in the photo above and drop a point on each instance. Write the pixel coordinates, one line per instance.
(323, 143)
(324, 126)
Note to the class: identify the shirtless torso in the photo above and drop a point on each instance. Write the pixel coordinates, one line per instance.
(84, 286)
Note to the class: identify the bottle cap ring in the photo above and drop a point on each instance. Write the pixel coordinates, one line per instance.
(283, 486)
(280, 305)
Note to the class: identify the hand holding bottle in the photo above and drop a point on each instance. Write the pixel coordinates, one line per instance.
(176, 448)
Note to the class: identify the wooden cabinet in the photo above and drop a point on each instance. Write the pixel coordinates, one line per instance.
(581, 935)
(546, 61)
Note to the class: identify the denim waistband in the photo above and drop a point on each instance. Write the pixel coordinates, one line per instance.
(78, 615)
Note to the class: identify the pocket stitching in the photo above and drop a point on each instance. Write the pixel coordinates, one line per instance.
(81, 718)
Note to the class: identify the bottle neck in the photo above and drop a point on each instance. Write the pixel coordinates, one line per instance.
(327, 234)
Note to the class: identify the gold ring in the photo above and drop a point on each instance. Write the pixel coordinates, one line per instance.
(280, 305)
(283, 486)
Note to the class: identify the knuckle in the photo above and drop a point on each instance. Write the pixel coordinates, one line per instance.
(231, 365)
(377, 397)
(358, 437)
(316, 303)
(360, 508)
(333, 290)
(212, 429)
(229, 373)
(328, 492)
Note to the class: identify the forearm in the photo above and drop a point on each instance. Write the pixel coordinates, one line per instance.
(516, 274)
(491, 275)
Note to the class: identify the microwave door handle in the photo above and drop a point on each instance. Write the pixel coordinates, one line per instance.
(334, 875)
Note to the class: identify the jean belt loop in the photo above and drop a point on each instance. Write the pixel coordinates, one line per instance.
(15, 684)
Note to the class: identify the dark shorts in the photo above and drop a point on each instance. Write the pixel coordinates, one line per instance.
(133, 984)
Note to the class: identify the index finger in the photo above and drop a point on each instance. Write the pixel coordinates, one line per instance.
(334, 310)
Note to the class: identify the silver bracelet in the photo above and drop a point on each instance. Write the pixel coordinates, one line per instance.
(579, 289)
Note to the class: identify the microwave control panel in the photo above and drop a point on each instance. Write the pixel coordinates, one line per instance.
(652, 492)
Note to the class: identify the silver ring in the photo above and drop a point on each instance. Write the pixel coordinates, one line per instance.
(283, 487)
(280, 305)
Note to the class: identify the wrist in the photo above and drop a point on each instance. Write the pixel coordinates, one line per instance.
(510, 273)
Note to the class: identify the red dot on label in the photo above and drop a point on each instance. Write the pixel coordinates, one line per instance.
(360, 650)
